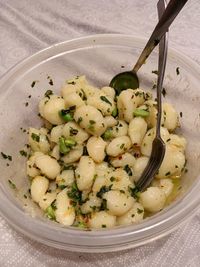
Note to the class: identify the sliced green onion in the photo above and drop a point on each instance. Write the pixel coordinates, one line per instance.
(62, 146)
(70, 142)
(50, 213)
(115, 112)
(107, 134)
(66, 115)
(140, 113)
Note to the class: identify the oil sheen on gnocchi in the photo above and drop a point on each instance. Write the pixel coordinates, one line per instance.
(93, 147)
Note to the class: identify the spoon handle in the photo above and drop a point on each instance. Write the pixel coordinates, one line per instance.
(172, 10)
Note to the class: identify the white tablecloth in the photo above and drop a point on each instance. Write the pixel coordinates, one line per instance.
(27, 26)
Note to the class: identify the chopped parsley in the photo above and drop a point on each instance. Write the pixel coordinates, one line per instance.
(177, 70)
(140, 113)
(103, 190)
(4, 156)
(75, 194)
(12, 185)
(167, 173)
(139, 211)
(66, 114)
(122, 146)
(50, 211)
(135, 192)
(73, 131)
(164, 92)
(104, 205)
(103, 226)
(79, 120)
(181, 114)
(33, 84)
(105, 99)
(112, 179)
(107, 135)
(35, 137)
(48, 93)
(128, 170)
(115, 112)
(155, 72)
(23, 153)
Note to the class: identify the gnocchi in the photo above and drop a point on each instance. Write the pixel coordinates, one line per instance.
(85, 161)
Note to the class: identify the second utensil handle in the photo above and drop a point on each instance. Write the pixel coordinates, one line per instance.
(170, 13)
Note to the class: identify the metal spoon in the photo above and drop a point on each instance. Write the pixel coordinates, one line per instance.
(129, 79)
(158, 146)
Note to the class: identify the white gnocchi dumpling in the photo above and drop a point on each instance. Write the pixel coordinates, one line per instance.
(65, 178)
(153, 199)
(137, 130)
(170, 117)
(118, 145)
(47, 166)
(139, 166)
(74, 99)
(73, 130)
(173, 163)
(85, 173)
(134, 215)
(73, 155)
(39, 186)
(118, 203)
(50, 108)
(65, 213)
(123, 160)
(119, 180)
(146, 145)
(102, 219)
(56, 133)
(92, 204)
(96, 148)
(38, 140)
(90, 119)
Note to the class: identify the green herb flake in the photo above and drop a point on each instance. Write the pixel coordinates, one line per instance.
(35, 137)
(112, 179)
(73, 131)
(115, 112)
(167, 173)
(155, 72)
(79, 120)
(50, 212)
(122, 146)
(92, 122)
(104, 205)
(103, 190)
(177, 70)
(48, 93)
(139, 211)
(181, 114)
(128, 170)
(135, 192)
(12, 185)
(33, 84)
(26, 104)
(140, 113)
(63, 148)
(66, 115)
(164, 92)
(23, 153)
(107, 135)
(103, 226)
(103, 98)
(75, 194)
(25, 196)
(4, 156)
(122, 191)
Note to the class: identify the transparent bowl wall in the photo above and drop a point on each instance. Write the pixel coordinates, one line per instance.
(98, 57)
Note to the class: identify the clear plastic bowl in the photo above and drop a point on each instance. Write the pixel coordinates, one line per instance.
(98, 57)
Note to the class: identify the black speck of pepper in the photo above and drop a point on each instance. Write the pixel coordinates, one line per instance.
(26, 104)
(164, 92)
(33, 84)
(181, 114)
(122, 66)
(29, 96)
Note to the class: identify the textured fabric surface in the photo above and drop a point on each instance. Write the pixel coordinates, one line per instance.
(26, 27)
